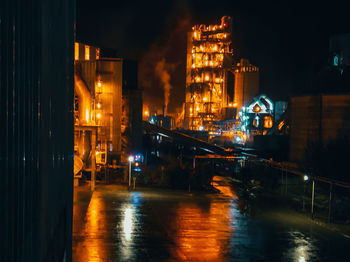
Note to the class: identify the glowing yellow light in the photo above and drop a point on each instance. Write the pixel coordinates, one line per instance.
(229, 104)
(206, 63)
(195, 34)
(197, 108)
(87, 52)
(98, 115)
(204, 99)
(87, 115)
(99, 84)
(211, 63)
(191, 109)
(257, 108)
(235, 105)
(76, 51)
(215, 47)
(206, 78)
(198, 79)
(98, 105)
(146, 113)
(268, 122)
(217, 80)
(193, 66)
(280, 125)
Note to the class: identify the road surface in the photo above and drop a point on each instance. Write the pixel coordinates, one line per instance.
(168, 225)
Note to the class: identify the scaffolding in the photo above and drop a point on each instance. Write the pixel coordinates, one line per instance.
(209, 57)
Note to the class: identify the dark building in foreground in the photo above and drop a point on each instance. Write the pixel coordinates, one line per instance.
(36, 120)
(132, 108)
(318, 119)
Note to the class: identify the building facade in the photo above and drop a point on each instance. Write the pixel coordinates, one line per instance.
(209, 57)
(98, 106)
(37, 127)
(246, 85)
(317, 119)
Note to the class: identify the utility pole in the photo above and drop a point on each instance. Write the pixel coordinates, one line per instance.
(93, 159)
(312, 199)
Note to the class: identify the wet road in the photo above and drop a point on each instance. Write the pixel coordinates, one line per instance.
(165, 225)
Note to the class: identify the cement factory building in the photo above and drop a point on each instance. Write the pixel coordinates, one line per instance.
(216, 87)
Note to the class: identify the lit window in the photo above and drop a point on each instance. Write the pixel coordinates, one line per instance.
(280, 125)
(87, 52)
(97, 53)
(335, 60)
(257, 108)
(76, 51)
(256, 122)
(268, 122)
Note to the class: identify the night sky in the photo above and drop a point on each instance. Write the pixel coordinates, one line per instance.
(287, 40)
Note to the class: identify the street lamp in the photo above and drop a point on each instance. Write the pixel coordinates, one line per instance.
(131, 159)
(306, 178)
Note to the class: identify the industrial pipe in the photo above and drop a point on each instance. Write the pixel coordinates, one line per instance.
(84, 98)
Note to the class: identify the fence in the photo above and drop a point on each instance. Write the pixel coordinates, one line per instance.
(323, 198)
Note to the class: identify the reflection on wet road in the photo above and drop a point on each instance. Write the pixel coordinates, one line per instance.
(163, 225)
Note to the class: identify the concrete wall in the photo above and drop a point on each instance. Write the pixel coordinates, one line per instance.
(36, 139)
(246, 83)
(317, 119)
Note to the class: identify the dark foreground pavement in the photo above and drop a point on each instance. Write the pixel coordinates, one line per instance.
(168, 225)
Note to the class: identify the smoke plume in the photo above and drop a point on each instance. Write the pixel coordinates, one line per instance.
(162, 66)
(164, 76)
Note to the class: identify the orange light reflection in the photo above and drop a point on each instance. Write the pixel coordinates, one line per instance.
(94, 246)
(204, 233)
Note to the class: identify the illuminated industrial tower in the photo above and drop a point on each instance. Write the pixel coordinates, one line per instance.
(209, 57)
